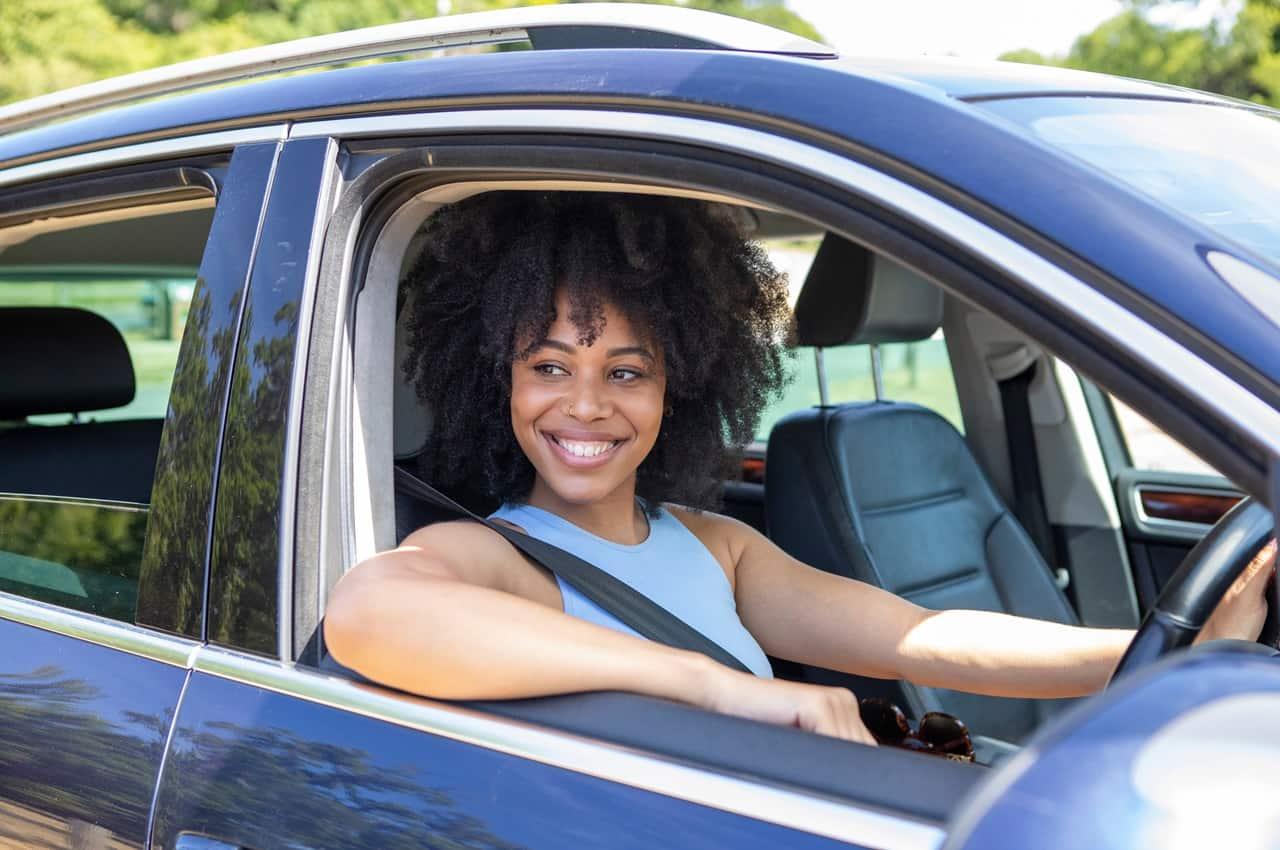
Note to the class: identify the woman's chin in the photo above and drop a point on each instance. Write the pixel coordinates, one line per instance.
(579, 490)
(578, 494)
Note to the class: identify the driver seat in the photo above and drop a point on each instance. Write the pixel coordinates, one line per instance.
(888, 492)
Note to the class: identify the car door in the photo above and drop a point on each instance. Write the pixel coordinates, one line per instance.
(115, 284)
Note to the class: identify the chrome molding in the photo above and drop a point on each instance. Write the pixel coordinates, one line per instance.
(1146, 344)
(496, 27)
(77, 501)
(795, 810)
(126, 154)
(112, 634)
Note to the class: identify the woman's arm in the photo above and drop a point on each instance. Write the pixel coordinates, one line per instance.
(807, 615)
(457, 613)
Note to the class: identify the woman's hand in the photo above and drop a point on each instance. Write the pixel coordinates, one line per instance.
(1244, 607)
(814, 708)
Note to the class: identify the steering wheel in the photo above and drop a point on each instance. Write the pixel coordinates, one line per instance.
(1201, 580)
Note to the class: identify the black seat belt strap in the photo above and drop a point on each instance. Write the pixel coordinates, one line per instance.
(1028, 492)
(616, 597)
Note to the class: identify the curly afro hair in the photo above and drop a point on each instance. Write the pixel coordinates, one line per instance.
(681, 270)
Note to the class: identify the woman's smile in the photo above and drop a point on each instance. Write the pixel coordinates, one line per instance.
(583, 450)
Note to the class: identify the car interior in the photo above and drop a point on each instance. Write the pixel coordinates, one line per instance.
(859, 482)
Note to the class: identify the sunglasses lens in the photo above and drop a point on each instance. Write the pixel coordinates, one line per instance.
(945, 733)
(884, 720)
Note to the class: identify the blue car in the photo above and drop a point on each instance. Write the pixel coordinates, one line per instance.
(1038, 372)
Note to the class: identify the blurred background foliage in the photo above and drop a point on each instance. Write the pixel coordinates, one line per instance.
(46, 45)
(1238, 56)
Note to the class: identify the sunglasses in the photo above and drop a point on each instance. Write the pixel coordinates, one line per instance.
(939, 733)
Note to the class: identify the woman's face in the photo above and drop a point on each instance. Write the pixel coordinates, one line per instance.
(587, 415)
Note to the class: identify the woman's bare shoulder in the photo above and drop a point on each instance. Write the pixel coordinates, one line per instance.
(715, 526)
(474, 553)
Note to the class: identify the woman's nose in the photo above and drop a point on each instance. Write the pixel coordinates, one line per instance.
(589, 400)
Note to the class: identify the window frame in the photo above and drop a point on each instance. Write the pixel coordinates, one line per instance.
(384, 152)
(69, 203)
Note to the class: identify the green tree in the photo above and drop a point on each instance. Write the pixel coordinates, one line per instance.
(1240, 60)
(46, 45)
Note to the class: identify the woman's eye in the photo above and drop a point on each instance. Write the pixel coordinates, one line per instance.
(549, 369)
(625, 375)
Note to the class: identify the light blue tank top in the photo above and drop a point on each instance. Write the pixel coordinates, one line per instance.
(671, 567)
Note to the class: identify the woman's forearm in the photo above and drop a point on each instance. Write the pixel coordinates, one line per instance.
(448, 639)
(1002, 655)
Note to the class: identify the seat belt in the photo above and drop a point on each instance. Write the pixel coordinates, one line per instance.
(1024, 463)
(618, 598)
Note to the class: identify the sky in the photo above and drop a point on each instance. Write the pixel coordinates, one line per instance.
(972, 29)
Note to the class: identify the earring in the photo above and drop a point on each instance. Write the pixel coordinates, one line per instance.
(668, 411)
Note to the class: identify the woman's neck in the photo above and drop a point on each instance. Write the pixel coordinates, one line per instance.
(616, 517)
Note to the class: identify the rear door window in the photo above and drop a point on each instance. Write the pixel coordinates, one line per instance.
(75, 473)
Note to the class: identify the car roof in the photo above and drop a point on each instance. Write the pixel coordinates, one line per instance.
(583, 73)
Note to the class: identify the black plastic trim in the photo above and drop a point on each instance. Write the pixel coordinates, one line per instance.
(95, 194)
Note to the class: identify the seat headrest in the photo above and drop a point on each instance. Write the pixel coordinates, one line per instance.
(61, 360)
(854, 297)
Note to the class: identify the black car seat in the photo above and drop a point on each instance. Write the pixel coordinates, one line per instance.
(889, 493)
(66, 360)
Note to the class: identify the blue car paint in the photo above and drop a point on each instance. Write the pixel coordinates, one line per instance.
(257, 769)
(82, 729)
(1074, 784)
(911, 120)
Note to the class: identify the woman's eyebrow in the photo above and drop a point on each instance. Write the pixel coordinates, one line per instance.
(630, 349)
(556, 344)
(612, 352)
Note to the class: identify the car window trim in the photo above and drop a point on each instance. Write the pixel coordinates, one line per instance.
(164, 185)
(58, 163)
(113, 634)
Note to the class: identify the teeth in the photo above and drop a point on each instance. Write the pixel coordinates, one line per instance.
(584, 449)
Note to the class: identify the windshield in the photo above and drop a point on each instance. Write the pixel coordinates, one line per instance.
(1220, 165)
